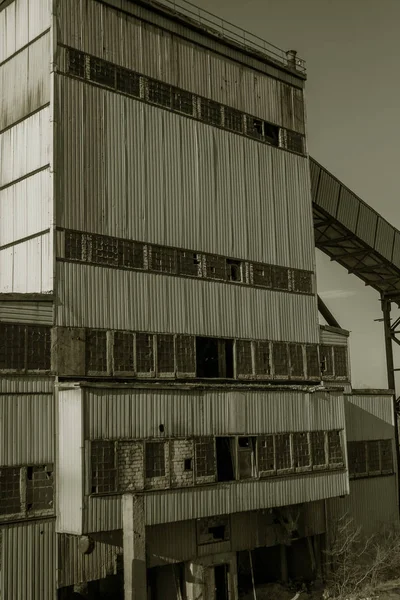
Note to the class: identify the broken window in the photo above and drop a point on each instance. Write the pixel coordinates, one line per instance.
(246, 457)
(335, 448)
(215, 267)
(210, 111)
(182, 101)
(301, 450)
(213, 529)
(130, 254)
(165, 354)
(262, 358)
(103, 467)
(159, 92)
(233, 119)
(163, 259)
(74, 245)
(38, 347)
(188, 464)
(39, 487)
(155, 459)
(340, 356)
(262, 275)
(225, 447)
(373, 457)
(254, 127)
(214, 358)
(144, 353)
(281, 359)
(266, 458)
(204, 457)
(12, 346)
(76, 63)
(313, 365)
(318, 455)
(294, 141)
(282, 450)
(123, 352)
(271, 133)
(96, 351)
(280, 278)
(296, 360)
(185, 354)
(357, 458)
(104, 250)
(102, 72)
(244, 359)
(386, 456)
(234, 270)
(302, 281)
(189, 263)
(128, 82)
(10, 501)
(325, 353)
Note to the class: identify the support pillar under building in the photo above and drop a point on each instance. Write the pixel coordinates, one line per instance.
(134, 539)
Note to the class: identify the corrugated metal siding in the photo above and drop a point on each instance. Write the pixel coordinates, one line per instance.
(27, 206)
(26, 429)
(191, 185)
(97, 297)
(372, 503)
(70, 462)
(28, 565)
(102, 514)
(384, 238)
(75, 567)
(28, 267)
(26, 384)
(20, 23)
(348, 208)
(145, 48)
(27, 312)
(25, 82)
(332, 338)
(369, 417)
(328, 193)
(172, 542)
(138, 413)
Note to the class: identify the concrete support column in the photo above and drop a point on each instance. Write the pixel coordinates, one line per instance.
(134, 536)
(200, 576)
(195, 578)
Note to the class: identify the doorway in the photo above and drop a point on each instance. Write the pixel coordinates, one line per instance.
(221, 582)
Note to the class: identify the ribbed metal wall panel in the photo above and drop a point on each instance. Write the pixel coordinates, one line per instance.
(328, 192)
(75, 567)
(372, 504)
(25, 82)
(384, 238)
(369, 417)
(102, 514)
(348, 209)
(28, 564)
(28, 267)
(396, 249)
(332, 338)
(26, 206)
(20, 23)
(171, 542)
(26, 384)
(191, 185)
(99, 297)
(40, 313)
(26, 429)
(25, 147)
(366, 224)
(158, 53)
(118, 413)
(70, 462)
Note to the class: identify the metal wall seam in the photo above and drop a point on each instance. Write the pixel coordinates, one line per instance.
(28, 566)
(20, 23)
(27, 429)
(27, 267)
(108, 298)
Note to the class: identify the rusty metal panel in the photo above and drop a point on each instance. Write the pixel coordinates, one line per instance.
(369, 416)
(75, 567)
(172, 542)
(26, 312)
(27, 429)
(26, 384)
(28, 564)
(384, 238)
(28, 267)
(70, 467)
(348, 209)
(328, 193)
(20, 23)
(367, 224)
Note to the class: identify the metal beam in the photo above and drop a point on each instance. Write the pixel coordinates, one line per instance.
(326, 313)
(335, 241)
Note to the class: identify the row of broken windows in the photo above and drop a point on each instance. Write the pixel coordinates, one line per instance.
(170, 355)
(186, 103)
(121, 253)
(370, 458)
(26, 490)
(25, 347)
(219, 459)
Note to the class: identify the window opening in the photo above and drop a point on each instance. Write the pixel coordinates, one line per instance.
(215, 267)
(246, 457)
(102, 72)
(165, 354)
(296, 360)
(210, 111)
(76, 63)
(96, 351)
(12, 346)
(326, 360)
(313, 365)
(74, 245)
(254, 127)
(335, 448)
(266, 456)
(214, 358)
(185, 354)
(340, 356)
(262, 275)
(188, 464)
(128, 82)
(301, 450)
(283, 453)
(234, 270)
(302, 281)
(155, 459)
(318, 456)
(39, 487)
(204, 457)
(144, 353)
(130, 254)
(189, 263)
(271, 133)
(38, 347)
(163, 259)
(104, 250)
(182, 101)
(244, 360)
(262, 358)
(233, 119)
(357, 458)
(225, 447)
(123, 351)
(280, 278)
(373, 457)
(281, 360)
(10, 501)
(159, 92)
(103, 467)
(386, 456)
(221, 580)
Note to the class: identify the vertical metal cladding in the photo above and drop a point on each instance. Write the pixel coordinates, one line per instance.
(367, 224)
(191, 184)
(141, 46)
(28, 564)
(171, 542)
(384, 238)
(112, 299)
(25, 384)
(369, 416)
(27, 267)
(20, 23)
(26, 429)
(328, 192)
(348, 209)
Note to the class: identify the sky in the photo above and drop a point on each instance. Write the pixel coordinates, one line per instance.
(352, 53)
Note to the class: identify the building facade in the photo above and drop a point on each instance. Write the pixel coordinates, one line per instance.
(172, 415)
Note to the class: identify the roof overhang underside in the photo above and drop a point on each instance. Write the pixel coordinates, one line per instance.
(354, 235)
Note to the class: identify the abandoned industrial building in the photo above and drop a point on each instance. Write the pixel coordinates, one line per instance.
(174, 421)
